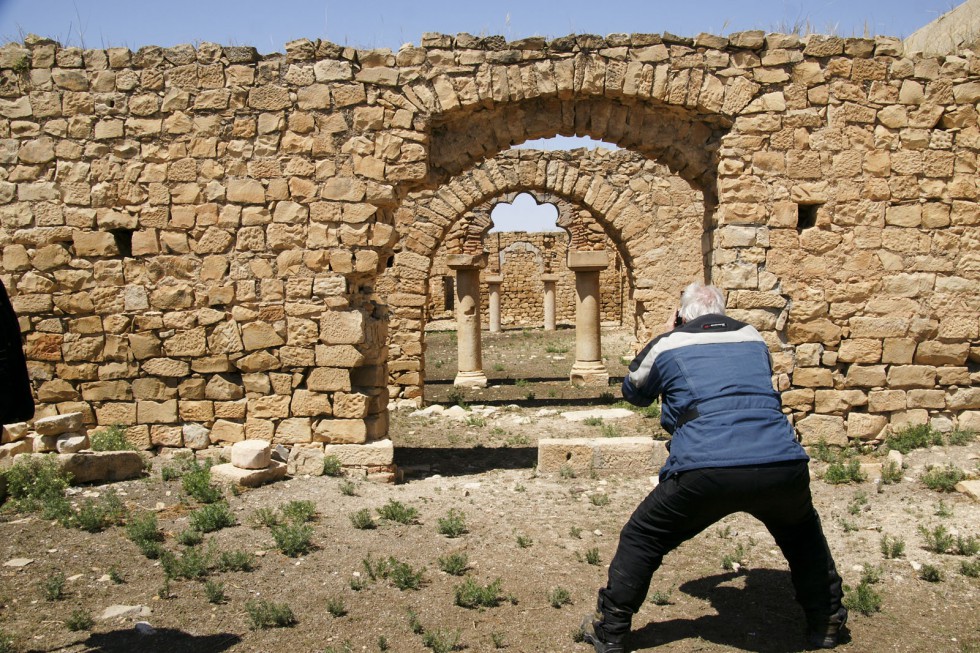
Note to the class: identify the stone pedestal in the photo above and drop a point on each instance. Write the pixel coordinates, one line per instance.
(549, 300)
(588, 368)
(494, 285)
(469, 347)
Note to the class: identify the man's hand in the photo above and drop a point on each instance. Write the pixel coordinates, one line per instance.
(671, 322)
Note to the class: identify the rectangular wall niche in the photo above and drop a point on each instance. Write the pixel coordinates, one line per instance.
(806, 216)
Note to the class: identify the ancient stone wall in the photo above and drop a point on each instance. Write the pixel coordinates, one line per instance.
(193, 236)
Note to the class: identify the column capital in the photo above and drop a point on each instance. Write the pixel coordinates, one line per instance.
(494, 278)
(467, 261)
(587, 260)
(549, 278)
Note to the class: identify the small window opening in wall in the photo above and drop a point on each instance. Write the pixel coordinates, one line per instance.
(124, 241)
(390, 263)
(806, 216)
(448, 293)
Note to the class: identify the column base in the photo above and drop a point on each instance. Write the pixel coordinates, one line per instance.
(471, 379)
(589, 373)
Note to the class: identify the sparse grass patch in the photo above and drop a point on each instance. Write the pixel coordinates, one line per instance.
(196, 483)
(348, 488)
(519, 440)
(730, 560)
(558, 597)
(473, 595)
(844, 472)
(332, 466)
(441, 641)
(524, 541)
(95, 515)
(453, 524)
(661, 597)
(454, 564)
(212, 517)
(336, 607)
(38, 485)
(931, 574)
(959, 438)
(456, 396)
(237, 560)
(362, 519)
(268, 614)
(970, 568)
(556, 349)
(215, 592)
(293, 539)
(599, 499)
(592, 556)
(145, 533)
(967, 546)
(592, 421)
(913, 436)
(891, 473)
(938, 540)
(267, 517)
(396, 511)
(892, 547)
(863, 599)
(401, 574)
(299, 511)
(79, 619)
(53, 587)
(190, 537)
(111, 438)
(193, 563)
(943, 479)
(566, 471)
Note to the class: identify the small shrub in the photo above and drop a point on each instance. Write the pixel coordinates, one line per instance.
(357, 583)
(892, 547)
(592, 556)
(144, 532)
(348, 488)
(473, 595)
(332, 466)
(398, 512)
(454, 564)
(521, 383)
(168, 473)
(7, 643)
(558, 597)
(891, 472)
(267, 517)
(362, 519)
(931, 574)
(212, 517)
(164, 591)
(967, 546)
(863, 599)
(115, 576)
(190, 537)
(556, 349)
(456, 396)
(414, 624)
(575, 532)
(661, 598)
(79, 619)
(730, 560)
(942, 510)
(53, 587)
(196, 482)
(111, 438)
(336, 607)
(453, 524)
(519, 440)
(523, 541)
(441, 641)
(609, 431)
(844, 472)
(498, 640)
(95, 515)
(268, 614)
(914, 436)
(942, 479)
(599, 499)
(847, 525)
(402, 575)
(299, 511)
(870, 575)
(607, 397)
(938, 540)
(215, 592)
(566, 471)
(193, 563)
(293, 540)
(237, 560)
(38, 485)
(959, 438)
(592, 421)
(970, 568)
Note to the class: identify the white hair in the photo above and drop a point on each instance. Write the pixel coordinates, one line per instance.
(699, 299)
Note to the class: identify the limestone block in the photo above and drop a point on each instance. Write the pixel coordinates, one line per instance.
(898, 351)
(865, 376)
(932, 352)
(269, 406)
(251, 454)
(11, 449)
(964, 399)
(634, 456)
(71, 442)
(260, 361)
(305, 403)
(294, 430)
(245, 191)
(260, 335)
(100, 466)
(342, 431)
(342, 328)
(59, 424)
(812, 377)
(166, 367)
(373, 454)
(329, 379)
(14, 432)
(861, 426)
(886, 401)
(338, 356)
(219, 388)
(935, 399)
(44, 443)
(912, 376)
(156, 412)
(859, 350)
(828, 428)
(196, 436)
(166, 436)
(838, 401)
(351, 405)
(249, 477)
(225, 431)
(305, 461)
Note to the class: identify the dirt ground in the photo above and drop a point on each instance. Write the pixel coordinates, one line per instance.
(536, 533)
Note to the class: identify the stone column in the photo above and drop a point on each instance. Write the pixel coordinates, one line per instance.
(549, 300)
(494, 285)
(588, 368)
(469, 348)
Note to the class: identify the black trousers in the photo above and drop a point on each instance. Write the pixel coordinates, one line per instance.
(685, 504)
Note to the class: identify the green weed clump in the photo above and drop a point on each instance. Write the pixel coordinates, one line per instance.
(190, 537)
(145, 533)
(473, 595)
(111, 438)
(336, 607)
(96, 515)
(844, 472)
(237, 560)
(892, 547)
(38, 485)
(454, 564)
(661, 597)
(79, 619)
(863, 598)
(7, 643)
(558, 597)
(215, 592)
(332, 466)
(268, 614)
(196, 482)
(959, 438)
(293, 540)
(938, 540)
(212, 517)
(53, 587)
(970, 568)
(362, 519)
(396, 511)
(592, 556)
(943, 479)
(453, 524)
(299, 511)
(441, 641)
(931, 574)
(913, 436)
(599, 499)
(267, 517)
(193, 563)
(891, 473)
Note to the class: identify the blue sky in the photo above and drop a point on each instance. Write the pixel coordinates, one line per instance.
(270, 24)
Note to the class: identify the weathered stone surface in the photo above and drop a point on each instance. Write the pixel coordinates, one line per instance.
(58, 424)
(635, 456)
(251, 454)
(305, 461)
(99, 466)
(249, 477)
(827, 428)
(373, 454)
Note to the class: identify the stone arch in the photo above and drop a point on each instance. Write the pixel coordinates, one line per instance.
(636, 222)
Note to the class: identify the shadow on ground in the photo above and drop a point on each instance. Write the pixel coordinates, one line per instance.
(420, 462)
(762, 616)
(165, 640)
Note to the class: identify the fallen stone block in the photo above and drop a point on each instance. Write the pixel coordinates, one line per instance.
(305, 461)
(59, 424)
(249, 477)
(71, 443)
(44, 443)
(378, 453)
(970, 489)
(635, 456)
(11, 449)
(251, 454)
(97, 466)
(14, 432)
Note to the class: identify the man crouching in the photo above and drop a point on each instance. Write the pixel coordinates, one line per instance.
(732, 450)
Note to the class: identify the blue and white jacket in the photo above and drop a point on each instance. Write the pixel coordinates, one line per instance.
(714, 377)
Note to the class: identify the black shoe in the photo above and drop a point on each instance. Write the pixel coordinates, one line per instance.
(590, 636)
(827, 634)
